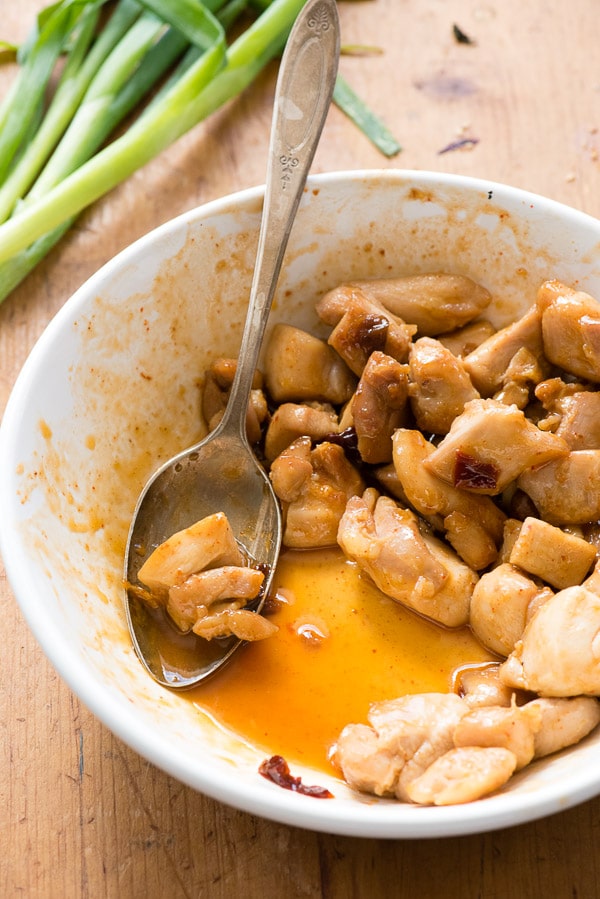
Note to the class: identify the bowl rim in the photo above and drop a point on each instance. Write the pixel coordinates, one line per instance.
(376, 820)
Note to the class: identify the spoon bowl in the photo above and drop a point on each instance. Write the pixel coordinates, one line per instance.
(221, 473)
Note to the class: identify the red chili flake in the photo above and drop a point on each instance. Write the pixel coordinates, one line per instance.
(277, 769)
(473, 473)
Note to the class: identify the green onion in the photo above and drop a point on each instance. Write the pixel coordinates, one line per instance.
(55, 163)
(370, 124)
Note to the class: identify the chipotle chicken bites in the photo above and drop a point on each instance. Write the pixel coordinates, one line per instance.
(419, 439)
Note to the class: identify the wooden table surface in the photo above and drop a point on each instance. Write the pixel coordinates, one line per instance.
(81, 815)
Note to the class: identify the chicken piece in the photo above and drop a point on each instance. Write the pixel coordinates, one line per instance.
(213, 585)
(566, 491)
(435, 303)
(501, 607)
(209, 543)
(314, 487)
(293, 420)
(240, 623)
(580, 420)
(386, 477)
(365, 764)
(463, 775)
(488, 363)
(215, 394)
(301, 367)
(511, 728)
(474, 523)
(559, 652)
(524, 371)
(439, 385)
(413, 568)
(379, 407)
(512, 528)
(360, 333)
(489, 445)
(351, 304)
(468, 338)
(571, 330)
(560, 559)
(482, 687)
(405, 736)
(564, 722)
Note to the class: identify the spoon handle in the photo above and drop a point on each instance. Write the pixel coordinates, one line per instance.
(302, 97)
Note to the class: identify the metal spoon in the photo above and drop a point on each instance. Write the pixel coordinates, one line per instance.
(221, 474)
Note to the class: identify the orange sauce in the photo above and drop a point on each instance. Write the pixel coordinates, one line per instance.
(341, 645)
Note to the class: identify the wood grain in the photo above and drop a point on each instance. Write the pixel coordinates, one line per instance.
(81, 815)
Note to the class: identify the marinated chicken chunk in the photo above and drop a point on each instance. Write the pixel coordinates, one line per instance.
(436, 303)
(413, 568)
(564, 722)
(198, 574)
(566, 490)
(301, 367)
(439, 385)
(314, 486)
(293, 420)
(360, 333)
(208, 543)
(559, 558)
(463, 775)
(571, 330)
(559, 652)
(487, 364)
(503, 601)
(513, 727)
(188, 600)
(482, 686)
(347, 305)
(577, 418)
(379, 407)
(489, 445)
(474, 524)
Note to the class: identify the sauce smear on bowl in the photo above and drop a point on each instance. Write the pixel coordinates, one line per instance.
(341, 645)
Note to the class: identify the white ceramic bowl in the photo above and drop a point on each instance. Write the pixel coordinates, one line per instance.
(110, 391)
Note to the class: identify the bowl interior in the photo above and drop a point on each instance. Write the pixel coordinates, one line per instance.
(112, 390)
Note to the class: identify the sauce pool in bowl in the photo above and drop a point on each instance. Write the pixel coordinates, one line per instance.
(341, 645)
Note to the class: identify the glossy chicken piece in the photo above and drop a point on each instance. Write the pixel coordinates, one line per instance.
(404, 737)
(571, 330)
(559, 558)
(413, 568)
(502, 603)
(566, 491)
(525, 370)
(487, 364)
(474, 523)
(301, 367)
(489, 445)
(293, 420)
(348, 305)
(241, 623)
(579, 420)
(564, 722)
(379, 407)
(439, 385)
(483, 687)
(436, 303)
(463, 775)
(559, 652)
(213, 585)
(209, 543)
(512, 728)
(360, 332)
(314, 486)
